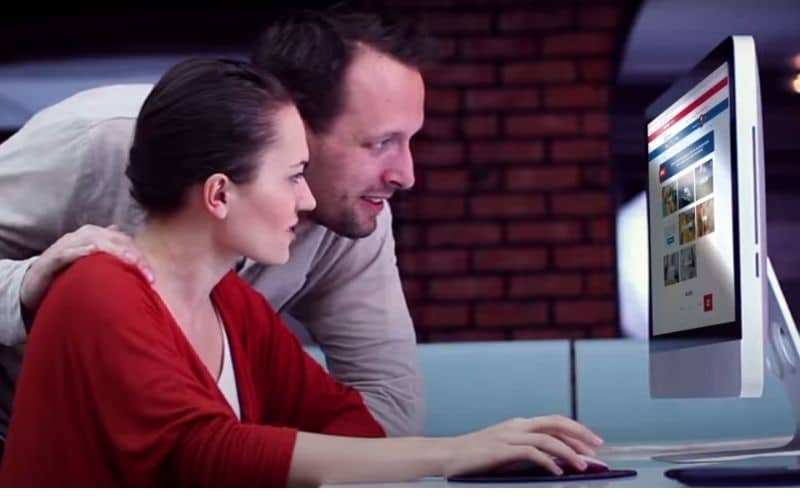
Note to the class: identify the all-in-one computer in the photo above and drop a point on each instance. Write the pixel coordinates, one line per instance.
(716, 310)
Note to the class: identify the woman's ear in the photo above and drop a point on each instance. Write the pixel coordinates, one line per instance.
(217, 193)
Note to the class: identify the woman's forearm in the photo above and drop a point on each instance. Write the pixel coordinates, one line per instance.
(322, 459)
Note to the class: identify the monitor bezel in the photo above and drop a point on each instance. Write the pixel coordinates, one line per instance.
(723, 332)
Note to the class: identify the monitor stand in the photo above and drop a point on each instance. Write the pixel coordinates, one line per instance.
(782, 358)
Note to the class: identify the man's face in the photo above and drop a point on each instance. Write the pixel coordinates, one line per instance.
(364, 157)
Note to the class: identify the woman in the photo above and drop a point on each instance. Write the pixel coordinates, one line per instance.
(194, 380)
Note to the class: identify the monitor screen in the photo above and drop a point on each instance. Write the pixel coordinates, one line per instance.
(691, 209)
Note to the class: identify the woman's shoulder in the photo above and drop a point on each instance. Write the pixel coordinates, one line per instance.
(100, 279)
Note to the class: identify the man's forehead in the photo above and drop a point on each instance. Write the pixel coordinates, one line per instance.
(375, 74)
(375, 84)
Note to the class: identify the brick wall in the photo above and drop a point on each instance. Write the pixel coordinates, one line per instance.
(508, 232)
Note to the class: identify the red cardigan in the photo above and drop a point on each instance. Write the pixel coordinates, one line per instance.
(112, 394)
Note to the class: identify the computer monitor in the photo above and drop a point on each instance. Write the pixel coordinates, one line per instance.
(714, 300)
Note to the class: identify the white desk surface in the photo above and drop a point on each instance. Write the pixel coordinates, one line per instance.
(650, 473)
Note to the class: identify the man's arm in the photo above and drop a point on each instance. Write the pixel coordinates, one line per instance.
(62, 170)
(35, 194)
(12, 317)
(354, 308)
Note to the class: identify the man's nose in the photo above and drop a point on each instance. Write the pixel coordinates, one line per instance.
(400, 173)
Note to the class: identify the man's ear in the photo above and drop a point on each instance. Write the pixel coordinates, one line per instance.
(217, 194)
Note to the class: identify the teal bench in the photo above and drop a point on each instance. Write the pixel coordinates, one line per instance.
(469, 385)
(613, 398)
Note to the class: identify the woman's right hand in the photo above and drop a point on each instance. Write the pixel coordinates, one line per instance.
(538, 440)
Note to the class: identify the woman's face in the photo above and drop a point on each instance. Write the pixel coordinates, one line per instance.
(265, 211)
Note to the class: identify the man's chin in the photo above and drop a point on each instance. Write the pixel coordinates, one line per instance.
(350, 225)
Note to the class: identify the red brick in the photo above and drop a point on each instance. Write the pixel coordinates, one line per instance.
(440, 128)
(511, 314)
(597, 175)
(424, 3)
(599, 17)
(413, 289)
(497, 48)
(464, 234)
(481, 126)
(547, 285)
(542, 178)
(467, 288)
(450, 23)
(585, 312)
(576, 96)
(467, 336)
(427, 316)
(595, 123)
(545, 232)
(434, 207)
(583, 257)
(505, 205)
(462, 74)
(402, 207)
(503, 100)
(491, 3)
(441, 100)
(539, 72)
(596, 70)
(518, 259)
(407, 235)
(446, 181)
(438, 153)
(505, 151)
(433, 262)
(527, 20)
(541, 125)
(581, 203)
(548, 333)
(580, 150)
(600, 284)
(444, 50)
(578, 44)
(600, 229)
(484, 179)
(604, 332)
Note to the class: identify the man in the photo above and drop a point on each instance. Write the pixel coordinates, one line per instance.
(357, 83)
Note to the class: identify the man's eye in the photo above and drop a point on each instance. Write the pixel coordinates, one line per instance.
(382, 144)
(297, 177)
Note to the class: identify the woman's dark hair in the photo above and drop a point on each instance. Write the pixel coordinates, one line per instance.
(309, 51)
(204, 116)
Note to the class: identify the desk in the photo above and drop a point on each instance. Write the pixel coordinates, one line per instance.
(650, 473)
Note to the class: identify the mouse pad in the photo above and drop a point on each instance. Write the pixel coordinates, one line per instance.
(526, 478)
